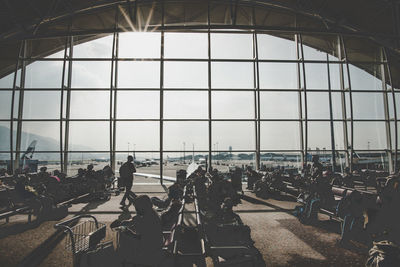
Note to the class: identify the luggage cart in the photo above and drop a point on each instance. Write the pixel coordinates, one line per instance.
(84, 236)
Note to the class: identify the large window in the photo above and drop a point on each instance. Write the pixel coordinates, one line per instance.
(220, 98)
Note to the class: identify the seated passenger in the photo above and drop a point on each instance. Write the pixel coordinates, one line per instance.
(174, 191)
(236, 179)
(350, 209)
(252, 177)
(141, 243)
(227, 215)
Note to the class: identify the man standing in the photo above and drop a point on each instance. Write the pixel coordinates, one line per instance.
(126, 172)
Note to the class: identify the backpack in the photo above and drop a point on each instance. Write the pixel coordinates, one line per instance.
(124, 170)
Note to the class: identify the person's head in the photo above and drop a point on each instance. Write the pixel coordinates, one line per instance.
(90, 167)
(130, 158)
(81, 171)
(43, 169)
(227, 205)
(315, 158)
(143, 204)
(248, 168)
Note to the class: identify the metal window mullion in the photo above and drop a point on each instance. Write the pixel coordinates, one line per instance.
(68, 107)
(394, 111)
(62, 106)
(20, 107)
(331, 115)
(114, 144)
(387, 115)
(300, 103)
(351, 105)
(12, 108)
(257, 101)
(111, 103)
(305, 100)
(343, 102)
(161, 106)
(209, 92)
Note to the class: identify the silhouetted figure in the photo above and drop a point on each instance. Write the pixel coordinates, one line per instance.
(350, 209)
(236, 179)
(142, 243)
(252, 177)
(348, 178)
(126, 172)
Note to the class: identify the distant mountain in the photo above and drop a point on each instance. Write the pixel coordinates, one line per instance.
(43, 144)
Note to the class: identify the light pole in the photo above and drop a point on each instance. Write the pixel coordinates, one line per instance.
(128, 148)
(134, 150)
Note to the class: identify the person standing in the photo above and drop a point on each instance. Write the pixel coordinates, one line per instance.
(126, 172)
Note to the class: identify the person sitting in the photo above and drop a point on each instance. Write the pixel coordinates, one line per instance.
(348, 178)
(350, 209)
(141, 242)
(170, 216)
(174, 191)
(227, 215)
(252, 177)
(236, 179)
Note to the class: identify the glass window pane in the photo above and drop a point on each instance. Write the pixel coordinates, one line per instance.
(334, 72)
(319, 135)
(223, 161)
(193, 134)
(91, 74)
(186, 45)
(89, 136)
(311, 53)
(231, 46)
(362, 80)
(337, 105)
(138, 135)
(288, 160)
(41, 105)
(232, 105)
(4, 136)
(271, 47)
(339, 135)
(81, 160)
(185, 105)
(368, 106)
(7, 81)
(186, 75)
(139, 45)
(138, 74)
(280, 135)
(5, 104)
(46, 134)
(44, 74)
(145, 163)
(398, 105)
(232, 75)
(98, 48)
(278, 75)
(279, 105)
(234, 135)
(138, 105)
(316, 76)
(318, 105)
(369, 135)
(90, 105)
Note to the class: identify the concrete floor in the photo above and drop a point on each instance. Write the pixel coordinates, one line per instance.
(278, 235)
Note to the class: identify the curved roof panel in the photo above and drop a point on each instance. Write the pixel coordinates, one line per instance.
(366, 25)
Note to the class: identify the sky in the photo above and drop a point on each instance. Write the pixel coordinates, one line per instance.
(192, 104)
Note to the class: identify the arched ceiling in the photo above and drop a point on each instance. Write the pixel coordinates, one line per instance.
(366, 24)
